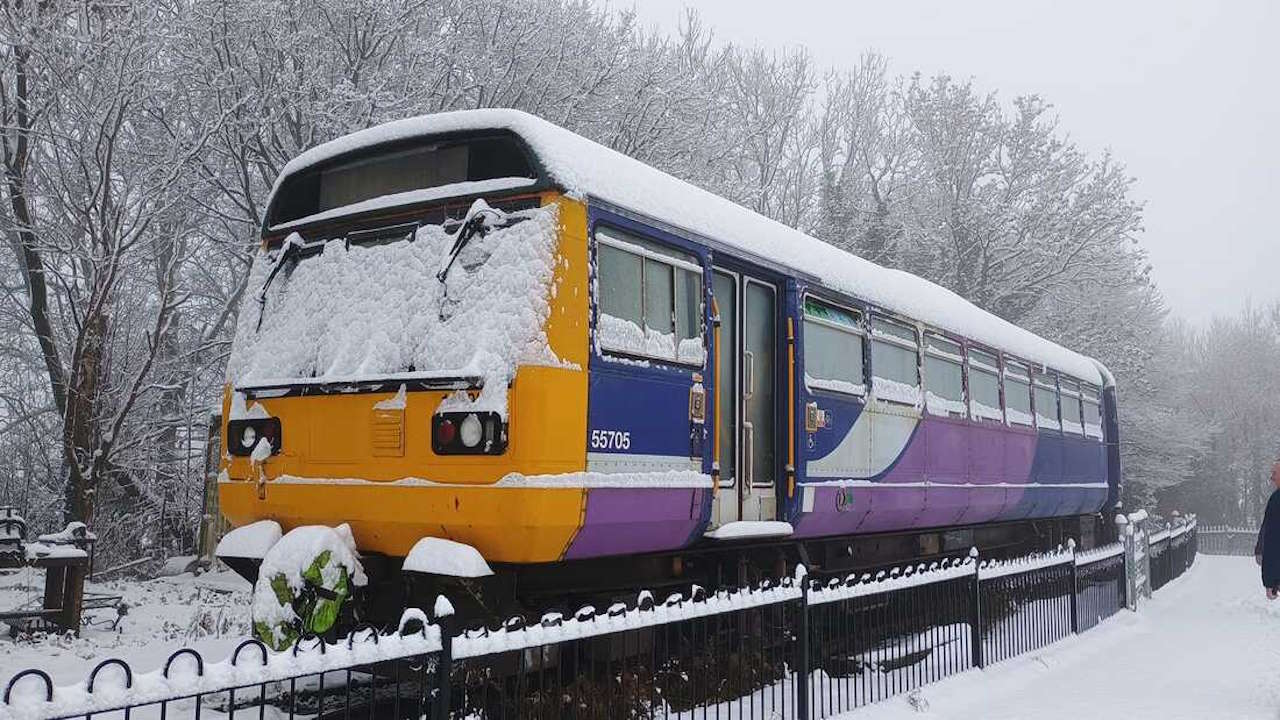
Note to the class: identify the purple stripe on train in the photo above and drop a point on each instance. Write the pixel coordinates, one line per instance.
(951, 472)
(622, 521)
(954, 472)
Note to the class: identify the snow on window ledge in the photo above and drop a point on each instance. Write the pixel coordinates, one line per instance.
(619, 335)
(981, 411)
(1045, 423)
(840, 386)
(896, 392)
(1017, 417)
(941, 406)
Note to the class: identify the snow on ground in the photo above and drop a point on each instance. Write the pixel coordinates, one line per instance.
(209, 613)
(1206, 646)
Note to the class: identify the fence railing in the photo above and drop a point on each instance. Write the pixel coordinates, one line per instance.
(1172, 552)
(796, 648)
(1227, 541)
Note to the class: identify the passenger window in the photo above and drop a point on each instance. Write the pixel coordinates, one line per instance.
(832, 349)
(1092, 411)
(895, 368)
(649, 299)
(688, 313)
(943, 376)
(620, 272)
(984, 386)
(1017, 394)
(659, 298)
(1046, 402)
(1071, 407)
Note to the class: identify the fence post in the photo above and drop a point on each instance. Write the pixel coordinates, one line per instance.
(1124, 574)
(1075, 588)
(802, 662)
(975, 622)
(444, 662)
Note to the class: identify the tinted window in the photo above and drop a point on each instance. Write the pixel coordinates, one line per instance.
(943, 376)
(650, 299)
(1017, 394)
(688, 306)
(620, 273)
(984, 386)
(1046, 403)
(397, 169)
(894, 367)
(1092, 412)
(1071, 408)
(659, 297)
(832, 348)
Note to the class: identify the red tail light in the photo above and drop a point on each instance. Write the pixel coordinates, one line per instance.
(446, 431)
(450, 429)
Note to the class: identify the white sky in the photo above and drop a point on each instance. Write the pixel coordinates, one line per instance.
(1185, 94)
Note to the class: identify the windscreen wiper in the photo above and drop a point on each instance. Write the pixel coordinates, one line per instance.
(476, 224)
(293, 248)
(480, 219)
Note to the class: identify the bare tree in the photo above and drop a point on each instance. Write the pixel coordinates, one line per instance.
(139, 142)
(92, 193)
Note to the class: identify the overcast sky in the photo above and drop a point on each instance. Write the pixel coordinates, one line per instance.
(1186, 94)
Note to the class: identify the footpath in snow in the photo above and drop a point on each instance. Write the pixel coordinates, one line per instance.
(1205, 646)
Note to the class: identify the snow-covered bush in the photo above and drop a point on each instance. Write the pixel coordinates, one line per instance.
(303, 582)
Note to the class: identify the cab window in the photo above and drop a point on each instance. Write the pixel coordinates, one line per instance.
(649, 299)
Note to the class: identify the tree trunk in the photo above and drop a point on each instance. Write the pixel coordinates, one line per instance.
(80, 431)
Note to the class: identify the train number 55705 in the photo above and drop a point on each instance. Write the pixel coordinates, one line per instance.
(610, 440)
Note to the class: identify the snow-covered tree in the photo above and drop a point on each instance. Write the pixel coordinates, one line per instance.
(139, 141)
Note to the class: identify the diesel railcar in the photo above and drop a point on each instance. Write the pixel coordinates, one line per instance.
(482, 327)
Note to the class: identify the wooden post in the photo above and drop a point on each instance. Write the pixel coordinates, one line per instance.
(55, 586)
(73, 595)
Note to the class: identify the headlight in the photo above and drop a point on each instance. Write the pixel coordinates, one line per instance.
(245, 435)
(471, 432)
(468, 433)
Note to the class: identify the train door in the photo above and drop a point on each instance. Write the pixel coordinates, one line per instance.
(747, 388)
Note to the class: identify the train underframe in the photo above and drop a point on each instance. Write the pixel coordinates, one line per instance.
(530, 590)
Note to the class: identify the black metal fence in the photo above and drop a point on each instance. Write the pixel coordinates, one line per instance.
(801, 647)
(1227, 541)
(1172, 552)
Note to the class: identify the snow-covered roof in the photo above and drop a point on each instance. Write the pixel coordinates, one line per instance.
(587, 169)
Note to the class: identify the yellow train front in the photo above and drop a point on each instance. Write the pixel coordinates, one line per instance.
(412, 360)
(479, 327)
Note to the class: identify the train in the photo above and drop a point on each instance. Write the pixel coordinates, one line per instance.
(480, 332)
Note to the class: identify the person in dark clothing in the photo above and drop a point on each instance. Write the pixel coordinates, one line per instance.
(1268, 546)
